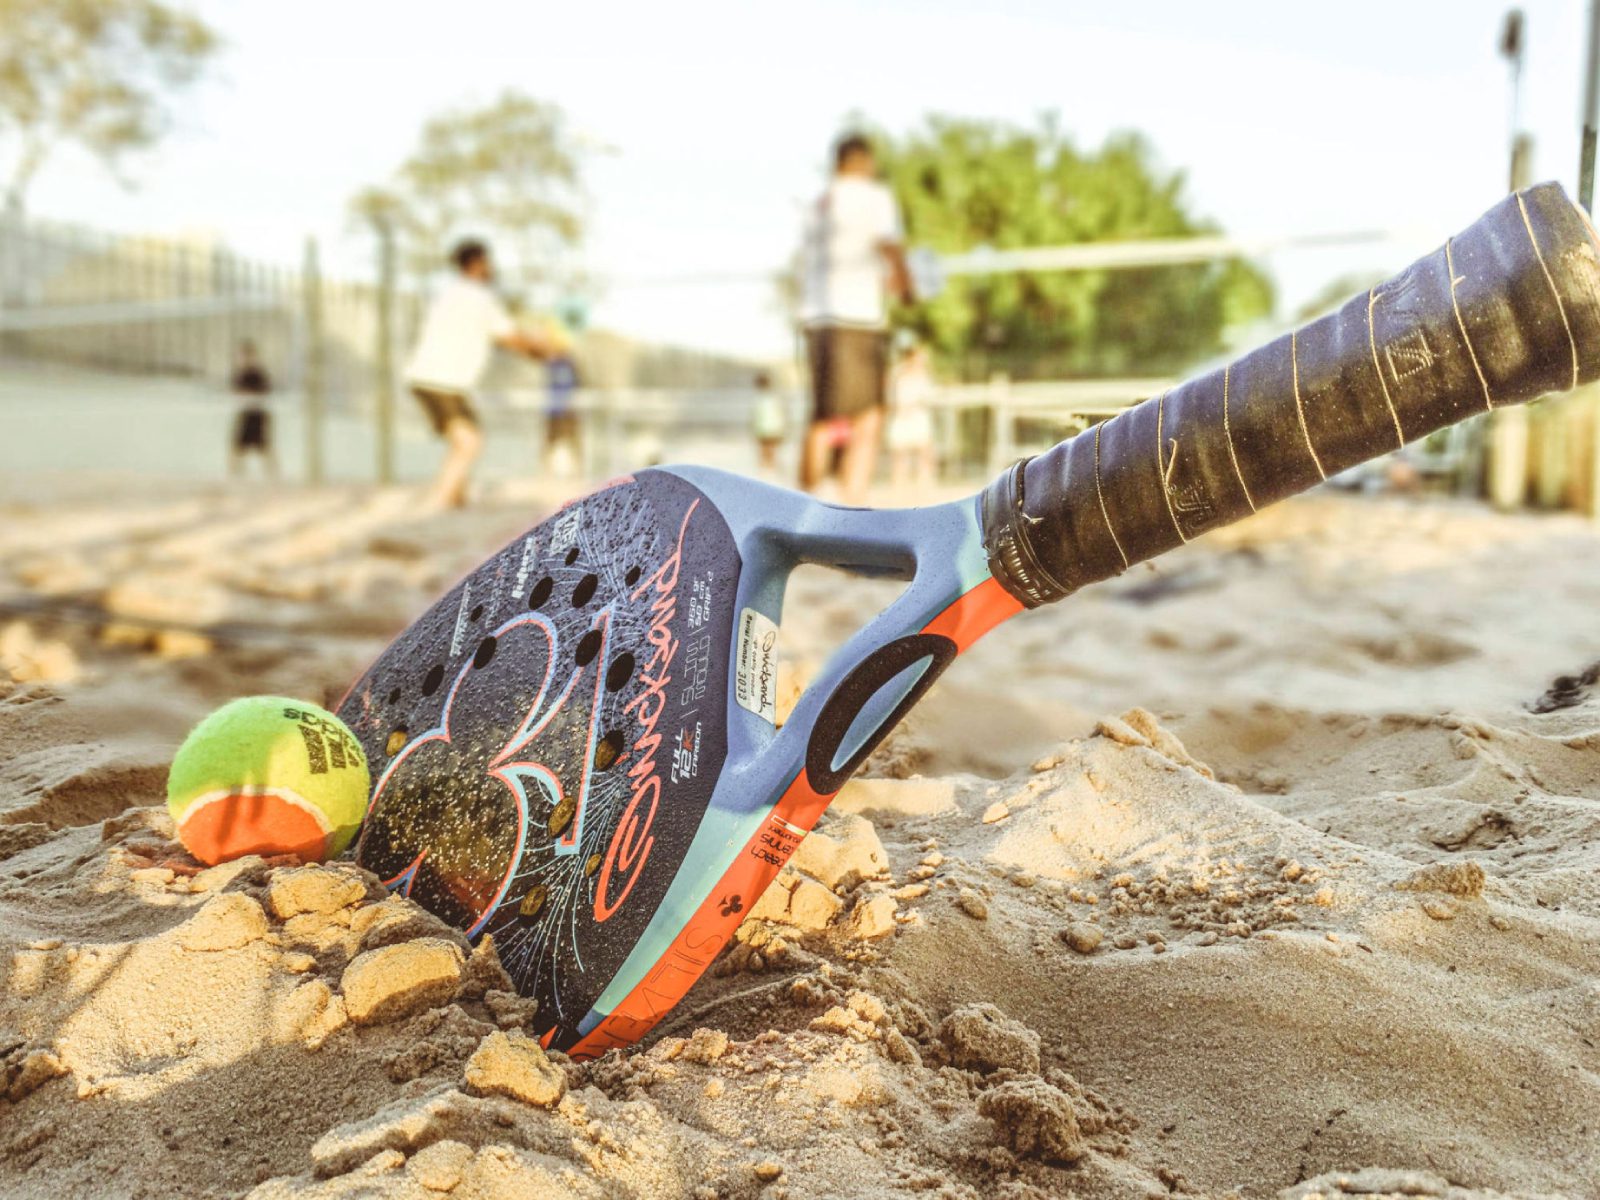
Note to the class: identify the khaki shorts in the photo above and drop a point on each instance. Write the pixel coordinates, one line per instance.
(443, 407)
(561, 427)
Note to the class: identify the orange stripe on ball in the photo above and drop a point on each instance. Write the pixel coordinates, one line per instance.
(219, 828)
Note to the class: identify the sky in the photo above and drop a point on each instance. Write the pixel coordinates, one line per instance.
(1284, 116)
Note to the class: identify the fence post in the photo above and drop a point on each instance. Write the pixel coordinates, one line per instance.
(1551, 422)
(218, 364)
(1002, 444)
(594, 432)
(385, 369)
(1591, 453)
(315, 381)
(1508, 457)
(13, 287)
(609, 434)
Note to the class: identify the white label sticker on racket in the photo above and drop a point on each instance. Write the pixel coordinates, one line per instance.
(756, 668)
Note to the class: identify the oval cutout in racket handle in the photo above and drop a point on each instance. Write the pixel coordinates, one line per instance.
(1504, 312)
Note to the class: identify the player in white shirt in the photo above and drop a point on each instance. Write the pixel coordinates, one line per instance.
(465, 322)
(852, 255)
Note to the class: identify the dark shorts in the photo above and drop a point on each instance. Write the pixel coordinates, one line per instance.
(443, 407)
(849, 369)
(253, 430)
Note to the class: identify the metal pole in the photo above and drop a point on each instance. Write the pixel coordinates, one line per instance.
(384, 410)
(1500, 441)
(1591, 110)
(1521, 162)
(1591, 125)
(315, 381)
(1511, 46)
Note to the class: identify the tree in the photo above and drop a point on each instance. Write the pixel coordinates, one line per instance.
(966, 183)
(100, 74)
(1333, 294)
(510, 171)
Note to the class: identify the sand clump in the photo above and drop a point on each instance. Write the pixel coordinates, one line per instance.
(1083, 937)
(1136, 727)
(797, 901)
(513, 1065)
(981, 1037)
(835, 887)
(313, 889)
(1463, 879)
(1035, 1119)
(25, 1069)
(399, 980)
(873, 917)
(844, 854)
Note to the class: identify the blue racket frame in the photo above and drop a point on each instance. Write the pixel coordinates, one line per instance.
(939, 552)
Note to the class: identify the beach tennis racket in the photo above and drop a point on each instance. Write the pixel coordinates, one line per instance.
(575, 750)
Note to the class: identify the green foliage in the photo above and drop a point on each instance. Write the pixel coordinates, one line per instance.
(97, 73)
(1336, 292)
(966, 183)
(511, 171)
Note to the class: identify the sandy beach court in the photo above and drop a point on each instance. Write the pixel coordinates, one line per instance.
(1252, 872)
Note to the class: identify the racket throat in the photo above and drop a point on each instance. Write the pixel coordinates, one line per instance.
(1007, 542)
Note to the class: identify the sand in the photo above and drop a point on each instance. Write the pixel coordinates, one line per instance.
(1252, 873)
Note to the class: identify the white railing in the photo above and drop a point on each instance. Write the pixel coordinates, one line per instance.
(623, 428)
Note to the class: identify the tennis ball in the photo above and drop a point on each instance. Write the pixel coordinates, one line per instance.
(268, 775)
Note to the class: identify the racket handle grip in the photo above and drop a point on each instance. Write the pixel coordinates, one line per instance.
(1506, 311)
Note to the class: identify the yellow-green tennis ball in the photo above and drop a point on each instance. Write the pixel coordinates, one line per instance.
(268, 775)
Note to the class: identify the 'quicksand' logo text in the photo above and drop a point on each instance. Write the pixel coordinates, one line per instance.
(756, 665)
(630, 844)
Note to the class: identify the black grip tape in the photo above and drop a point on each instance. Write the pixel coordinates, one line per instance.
(1507, 311)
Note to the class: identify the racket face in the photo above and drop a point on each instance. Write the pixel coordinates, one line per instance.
(574, 750)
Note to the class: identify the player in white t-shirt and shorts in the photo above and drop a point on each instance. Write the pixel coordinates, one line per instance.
(852, 256)
(465, 322)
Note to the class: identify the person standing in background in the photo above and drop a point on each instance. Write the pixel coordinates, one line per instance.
(252, 424)
(464, 323)
(910, 438)
(852, 256)
(561, 419)
(768, 422)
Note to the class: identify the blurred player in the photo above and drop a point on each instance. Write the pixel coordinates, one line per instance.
(768, 422)
(252, 425)
(561, 420)
(910, 438)
(464, 323)
(852, 255)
